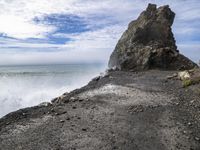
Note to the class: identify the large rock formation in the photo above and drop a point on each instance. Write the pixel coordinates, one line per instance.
(148, 43)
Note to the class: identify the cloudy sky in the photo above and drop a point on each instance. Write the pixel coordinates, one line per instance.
(75, 31)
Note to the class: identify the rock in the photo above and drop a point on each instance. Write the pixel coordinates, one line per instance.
(60, 98)
(66, 93)
(102, 75)
(60, 113)
(44, 104)
(84, 129)
(185, 132)
(189, 123)
(184, 75)
(61, 121)
(96, 78)
(54, 100)
(72, 99)
(148, 43)
(197, 138)
(74, 107)
(177, 103)
(114, 68)
(80, 99)
(135, 108)
(172, 76)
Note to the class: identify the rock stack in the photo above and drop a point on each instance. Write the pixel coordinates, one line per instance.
(149, 43)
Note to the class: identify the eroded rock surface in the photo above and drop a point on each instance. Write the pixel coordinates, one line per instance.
(148, 43)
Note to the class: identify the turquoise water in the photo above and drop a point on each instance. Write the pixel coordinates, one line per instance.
(25, 86)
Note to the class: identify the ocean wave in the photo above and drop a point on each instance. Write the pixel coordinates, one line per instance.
(28, 86)
(33, 73)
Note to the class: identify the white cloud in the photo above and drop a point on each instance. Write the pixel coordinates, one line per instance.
(102, 38)
(93, 46)
(17, 15)
(17, 27)
(112, 15)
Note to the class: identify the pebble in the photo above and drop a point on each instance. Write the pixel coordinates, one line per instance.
(177, 103)
(65, 93)
(184, 132)
(66, 100)
(112, 113)
(74, 107)
(80, 100)
(72, 99)
(61, 121)
(192, 101)
(197, 138)
(141, 110)
(115, 147)
(84, 129)
(64, 112)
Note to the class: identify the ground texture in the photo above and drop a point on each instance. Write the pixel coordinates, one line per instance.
(123, 110)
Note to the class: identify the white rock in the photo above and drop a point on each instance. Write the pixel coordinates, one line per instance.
(44, 104)
(61, 97)
(72, 99)
(184, 75)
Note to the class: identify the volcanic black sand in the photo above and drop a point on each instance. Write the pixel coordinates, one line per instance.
(123, 110)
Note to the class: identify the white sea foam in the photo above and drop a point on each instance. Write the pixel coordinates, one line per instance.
(21, 87)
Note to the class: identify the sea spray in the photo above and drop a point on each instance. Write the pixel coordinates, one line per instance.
(25, 86)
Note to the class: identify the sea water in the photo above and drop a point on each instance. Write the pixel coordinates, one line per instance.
(29, 85)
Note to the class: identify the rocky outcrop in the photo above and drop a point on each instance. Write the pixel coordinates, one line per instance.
(148, 43)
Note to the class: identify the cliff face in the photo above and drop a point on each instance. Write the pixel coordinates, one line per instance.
(148, 43)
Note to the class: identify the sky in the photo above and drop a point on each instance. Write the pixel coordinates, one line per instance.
(82, 31)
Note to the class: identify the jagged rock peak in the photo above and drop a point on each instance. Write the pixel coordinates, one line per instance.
(149, 43)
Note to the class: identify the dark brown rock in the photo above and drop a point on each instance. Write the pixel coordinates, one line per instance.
(148, 43)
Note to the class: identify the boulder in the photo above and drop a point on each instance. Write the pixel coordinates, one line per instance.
(148, 43)
(184, 75)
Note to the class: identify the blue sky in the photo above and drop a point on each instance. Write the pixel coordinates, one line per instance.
(76, 31)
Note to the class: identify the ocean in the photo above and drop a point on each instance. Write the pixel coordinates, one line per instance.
(29, 85)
